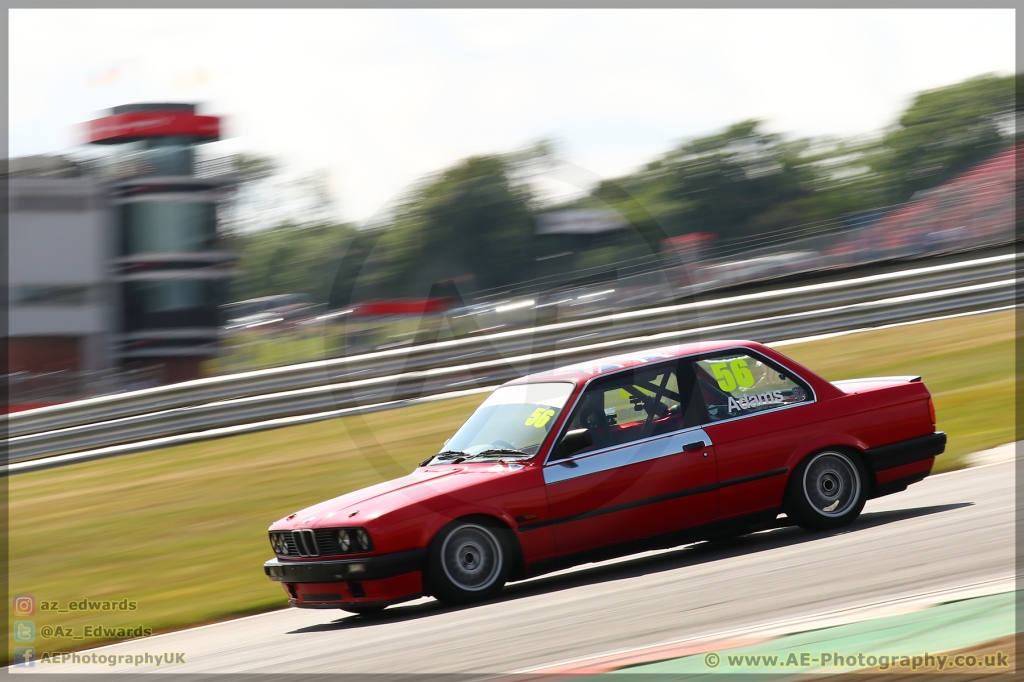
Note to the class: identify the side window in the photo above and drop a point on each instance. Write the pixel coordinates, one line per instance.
(639, 404)
(736, 384)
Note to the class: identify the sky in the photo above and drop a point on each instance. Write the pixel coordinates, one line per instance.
(373, 100)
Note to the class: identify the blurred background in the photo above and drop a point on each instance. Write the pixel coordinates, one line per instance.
(379, 179)
(238, 232)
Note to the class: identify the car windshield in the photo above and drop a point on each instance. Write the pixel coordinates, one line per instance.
(512, 422)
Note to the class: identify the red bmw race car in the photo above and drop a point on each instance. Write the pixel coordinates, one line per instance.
(639, 451)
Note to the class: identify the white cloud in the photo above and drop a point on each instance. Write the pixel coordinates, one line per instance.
(378, 98)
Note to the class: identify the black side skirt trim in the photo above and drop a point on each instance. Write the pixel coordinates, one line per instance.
(906, 451)
(711, 487)
(744, 524)
(753, 477)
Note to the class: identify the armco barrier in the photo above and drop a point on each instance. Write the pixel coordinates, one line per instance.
(435, 368)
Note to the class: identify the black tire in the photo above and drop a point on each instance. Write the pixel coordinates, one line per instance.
(469, 560)
(364, 609)
(827, 490)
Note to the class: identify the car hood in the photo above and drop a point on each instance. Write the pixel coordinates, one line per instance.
(424, 483)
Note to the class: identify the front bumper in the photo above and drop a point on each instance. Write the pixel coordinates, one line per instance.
(366, 568)
(347, 593)
(383, 579)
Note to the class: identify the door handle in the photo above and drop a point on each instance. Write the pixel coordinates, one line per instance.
(696, 445)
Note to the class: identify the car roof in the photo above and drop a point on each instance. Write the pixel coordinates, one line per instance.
(586, 370)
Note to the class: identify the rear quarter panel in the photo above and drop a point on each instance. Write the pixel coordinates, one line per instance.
(781, 439)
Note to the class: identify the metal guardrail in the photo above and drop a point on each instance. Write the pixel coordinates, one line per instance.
(460, 363)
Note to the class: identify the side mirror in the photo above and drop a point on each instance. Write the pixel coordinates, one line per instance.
(574, 441)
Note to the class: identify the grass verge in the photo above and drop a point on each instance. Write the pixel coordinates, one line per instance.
(182, 531)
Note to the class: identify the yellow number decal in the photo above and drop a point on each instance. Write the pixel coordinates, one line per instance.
(739, 370)
(540, 417)
(726, 382)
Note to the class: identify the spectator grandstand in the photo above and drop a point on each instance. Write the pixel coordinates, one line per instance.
(974, 208)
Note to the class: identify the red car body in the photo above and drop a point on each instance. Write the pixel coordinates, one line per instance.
(724, 473)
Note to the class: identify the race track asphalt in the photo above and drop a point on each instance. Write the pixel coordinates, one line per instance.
(950, 530)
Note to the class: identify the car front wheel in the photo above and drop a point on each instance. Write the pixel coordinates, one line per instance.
(468, 561)
(827, 490)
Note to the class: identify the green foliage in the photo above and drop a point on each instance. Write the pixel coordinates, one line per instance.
(845, 177)
(946, 131)
(732, 183)
(474, 221)
(290, 260)
(742, 181)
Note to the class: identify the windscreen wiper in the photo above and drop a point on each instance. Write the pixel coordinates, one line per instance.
(500, 451)
(449, 456)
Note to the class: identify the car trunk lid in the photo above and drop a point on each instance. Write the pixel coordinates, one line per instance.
(854, 386)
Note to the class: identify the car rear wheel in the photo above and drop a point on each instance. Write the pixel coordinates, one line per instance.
(827, 490)
(468, 561)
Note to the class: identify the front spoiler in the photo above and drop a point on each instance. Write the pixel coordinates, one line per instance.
(367, 568)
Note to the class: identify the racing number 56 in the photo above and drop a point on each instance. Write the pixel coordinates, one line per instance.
(540, 417)
(737, 374)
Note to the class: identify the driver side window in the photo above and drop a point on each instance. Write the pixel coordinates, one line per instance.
(647, 402)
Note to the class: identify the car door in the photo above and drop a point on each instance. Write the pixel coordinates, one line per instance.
(651, 468)
(756, 410)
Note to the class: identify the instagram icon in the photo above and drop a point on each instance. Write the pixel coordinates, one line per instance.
(24, 604)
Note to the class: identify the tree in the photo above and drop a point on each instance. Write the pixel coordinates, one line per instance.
(247, 172)
(472, 220)
(946, 131)
(750, 187)
(282, 231)
(744, 184)
(732, 183)
(290, 260)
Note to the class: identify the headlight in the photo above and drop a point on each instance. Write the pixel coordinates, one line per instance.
(278, 543)
(352, 540)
